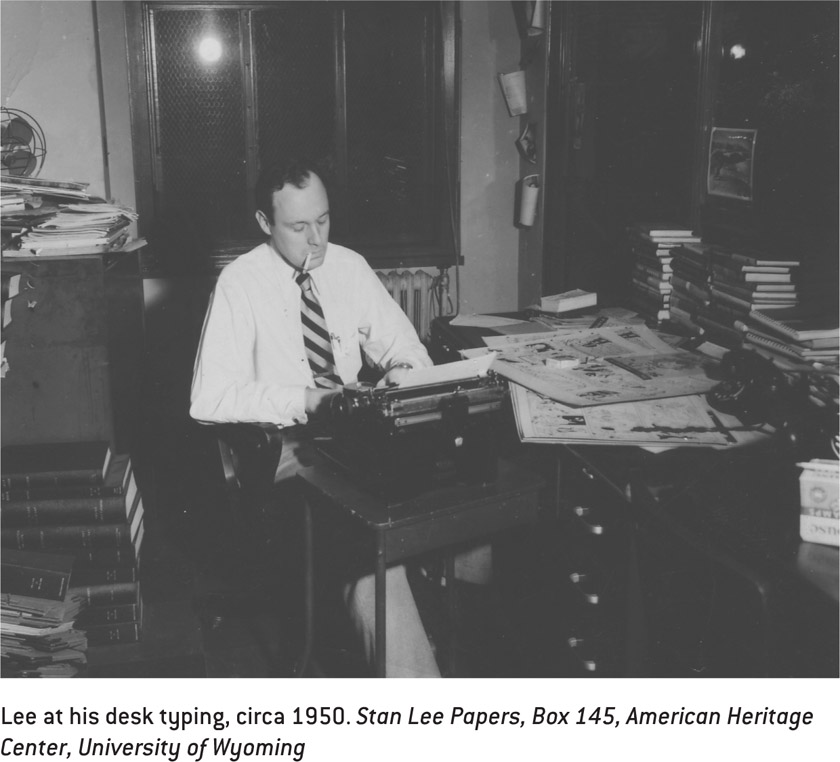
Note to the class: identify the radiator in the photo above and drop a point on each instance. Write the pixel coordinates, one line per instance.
(413, 292)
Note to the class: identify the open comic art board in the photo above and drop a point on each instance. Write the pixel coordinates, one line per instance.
(601, 366)
(671, 422)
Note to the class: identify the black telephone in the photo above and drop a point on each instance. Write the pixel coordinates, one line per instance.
(752, 388)
(755, 391)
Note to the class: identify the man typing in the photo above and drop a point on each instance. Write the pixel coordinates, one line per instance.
(287, 326)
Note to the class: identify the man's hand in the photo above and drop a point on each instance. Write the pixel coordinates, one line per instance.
(318, 400)
(394, 376)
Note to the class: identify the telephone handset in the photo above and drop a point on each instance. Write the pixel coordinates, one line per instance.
(756, 392)
(752, 388)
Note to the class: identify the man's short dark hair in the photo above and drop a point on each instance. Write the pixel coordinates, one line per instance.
(278, 174)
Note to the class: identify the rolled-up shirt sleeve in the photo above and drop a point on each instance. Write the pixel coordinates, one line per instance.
(387, 336)
(225, 386)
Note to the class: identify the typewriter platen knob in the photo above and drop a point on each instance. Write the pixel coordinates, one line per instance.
(338, 407)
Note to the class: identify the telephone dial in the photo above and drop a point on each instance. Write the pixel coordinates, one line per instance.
(756, 392)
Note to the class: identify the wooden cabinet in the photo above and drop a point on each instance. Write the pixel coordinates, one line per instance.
(588, 575)
(74, 348)
(592, 567)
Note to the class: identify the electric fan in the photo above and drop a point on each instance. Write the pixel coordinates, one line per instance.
(22, 142)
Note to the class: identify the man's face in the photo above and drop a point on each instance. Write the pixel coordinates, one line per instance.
(301, 223)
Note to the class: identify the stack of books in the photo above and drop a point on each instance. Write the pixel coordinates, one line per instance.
(38, 636)
(690, 295)
(652, 248)
(794, 337)
(79, 499)
(740, 282)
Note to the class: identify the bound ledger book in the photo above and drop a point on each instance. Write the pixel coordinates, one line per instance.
(54, 464)
(37, 575)
(38, 636)
(69, 536)
(116, 482)
(27, 507)
(77, 506)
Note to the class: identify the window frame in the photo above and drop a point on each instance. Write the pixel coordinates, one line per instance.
(441, 252)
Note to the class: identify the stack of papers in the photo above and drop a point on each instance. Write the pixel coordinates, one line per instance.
(42, 187)
(77, 226)
(38, 637)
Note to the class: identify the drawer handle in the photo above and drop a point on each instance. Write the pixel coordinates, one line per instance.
(578, 580)
(590, 665)
(581, 511)
(587, 473)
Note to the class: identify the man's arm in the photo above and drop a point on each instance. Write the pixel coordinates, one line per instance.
(225, 388)
(390, 340)
(318, 400)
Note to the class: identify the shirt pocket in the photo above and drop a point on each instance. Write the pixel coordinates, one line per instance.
(344, 344)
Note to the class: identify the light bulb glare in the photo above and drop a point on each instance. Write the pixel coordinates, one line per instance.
(737, 51)
(210, 49)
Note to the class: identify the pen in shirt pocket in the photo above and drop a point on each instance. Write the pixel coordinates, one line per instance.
(336, 341)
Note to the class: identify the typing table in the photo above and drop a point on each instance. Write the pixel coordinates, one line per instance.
(441, 517)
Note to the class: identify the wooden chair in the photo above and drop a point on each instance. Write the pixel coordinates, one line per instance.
(249, 453)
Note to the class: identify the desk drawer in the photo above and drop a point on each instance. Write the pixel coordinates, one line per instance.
(590, 569)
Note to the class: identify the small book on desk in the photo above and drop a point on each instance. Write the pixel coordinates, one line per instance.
(569, 300)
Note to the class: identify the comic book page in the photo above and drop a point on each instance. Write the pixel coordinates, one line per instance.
(601, 366)
(671, 422)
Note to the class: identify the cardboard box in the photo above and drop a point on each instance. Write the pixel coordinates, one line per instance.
(819, 493)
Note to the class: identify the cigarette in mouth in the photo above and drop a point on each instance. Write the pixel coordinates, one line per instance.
(306, 262)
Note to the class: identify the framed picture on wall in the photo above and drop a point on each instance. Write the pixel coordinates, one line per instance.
(731, 159)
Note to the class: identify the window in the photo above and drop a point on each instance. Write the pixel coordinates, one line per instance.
(364, 88)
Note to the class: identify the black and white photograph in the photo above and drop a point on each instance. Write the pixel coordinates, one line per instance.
(278, 434)
(731, 157)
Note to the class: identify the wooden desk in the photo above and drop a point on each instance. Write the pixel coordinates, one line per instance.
(403, 528)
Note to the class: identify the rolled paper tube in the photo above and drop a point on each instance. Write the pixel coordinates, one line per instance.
(537, 25)
(515, 92)
(528, 201)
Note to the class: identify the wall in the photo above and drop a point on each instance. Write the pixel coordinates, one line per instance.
(49, 71)
(489, 159)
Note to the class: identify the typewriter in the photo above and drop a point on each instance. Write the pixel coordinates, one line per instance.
(398, 440)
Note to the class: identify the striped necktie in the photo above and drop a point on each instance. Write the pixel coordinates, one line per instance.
(316, 337)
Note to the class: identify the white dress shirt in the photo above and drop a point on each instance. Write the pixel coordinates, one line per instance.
(251, 364)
